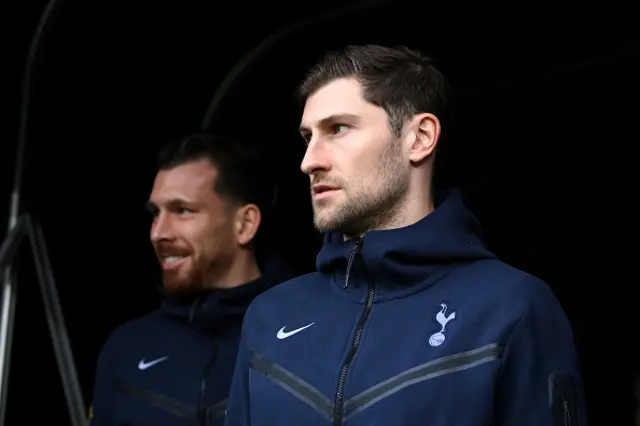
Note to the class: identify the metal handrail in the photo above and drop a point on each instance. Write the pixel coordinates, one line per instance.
(30, 229)
(23, 226)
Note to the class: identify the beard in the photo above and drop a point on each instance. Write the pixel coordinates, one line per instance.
(184, 283)
(201, 275)
(369, 206)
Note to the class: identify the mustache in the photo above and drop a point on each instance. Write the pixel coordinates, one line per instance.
(167, 249)
(327, 182)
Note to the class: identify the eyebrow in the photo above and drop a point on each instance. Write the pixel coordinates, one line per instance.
(334, 118)
(152, 207)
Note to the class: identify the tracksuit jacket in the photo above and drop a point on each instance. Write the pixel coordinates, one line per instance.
(173, 367)
(417, 326)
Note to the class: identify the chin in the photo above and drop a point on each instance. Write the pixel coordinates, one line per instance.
(181, 286)
(335, 223)
(325, 224)
(320, 217)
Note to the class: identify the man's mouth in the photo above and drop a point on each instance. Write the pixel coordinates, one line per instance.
(321, 191)
(171, 262)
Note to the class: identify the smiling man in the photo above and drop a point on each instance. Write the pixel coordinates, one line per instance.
(409, 320)
(173, 367)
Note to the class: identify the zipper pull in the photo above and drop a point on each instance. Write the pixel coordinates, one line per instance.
(194, 308)
(354, 251)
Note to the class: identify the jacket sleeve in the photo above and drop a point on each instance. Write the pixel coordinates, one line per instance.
(238, 406)
(539, 383)
(100, 413)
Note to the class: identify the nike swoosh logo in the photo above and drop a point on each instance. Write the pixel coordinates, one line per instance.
(144, 365)
(284, 334)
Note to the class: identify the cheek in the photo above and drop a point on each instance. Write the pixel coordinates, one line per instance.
(355, 163)
(369, 166)
(214, 237)
(375, 151)
(198, 234)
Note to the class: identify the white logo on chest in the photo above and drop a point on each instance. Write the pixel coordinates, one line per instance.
(144, 365)
(438, 338)
(284, 334)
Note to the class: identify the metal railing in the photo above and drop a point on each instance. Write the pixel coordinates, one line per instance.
(22, 225)
(30, 229)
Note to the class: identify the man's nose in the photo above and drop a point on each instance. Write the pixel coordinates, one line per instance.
(315, 158)
(161, 228)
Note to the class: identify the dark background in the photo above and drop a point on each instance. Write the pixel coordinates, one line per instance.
(542, 149)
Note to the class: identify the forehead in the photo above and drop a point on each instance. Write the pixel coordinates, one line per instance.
(191, 181)
(340, 97)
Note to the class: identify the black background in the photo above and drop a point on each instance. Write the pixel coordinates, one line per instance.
(542, 149)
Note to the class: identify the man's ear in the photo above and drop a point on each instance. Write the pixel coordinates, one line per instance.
(424, 133)
(247, 222)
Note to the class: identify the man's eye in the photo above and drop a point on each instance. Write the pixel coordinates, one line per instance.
(340, 128)
(184, 210)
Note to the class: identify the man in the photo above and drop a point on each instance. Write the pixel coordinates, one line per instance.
(409, 320)
(174, 366)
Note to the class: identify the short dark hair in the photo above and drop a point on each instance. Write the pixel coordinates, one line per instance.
(243, 171)
(400, 80)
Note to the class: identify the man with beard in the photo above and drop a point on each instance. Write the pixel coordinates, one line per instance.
(409, 319)
(174, 366)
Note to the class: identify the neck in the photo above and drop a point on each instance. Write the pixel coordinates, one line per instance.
(243, 269)
(417, 204)
(417, 201)
(412, 208)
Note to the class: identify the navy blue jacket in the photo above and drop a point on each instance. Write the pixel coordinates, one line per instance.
(173, 367)
(408, 327)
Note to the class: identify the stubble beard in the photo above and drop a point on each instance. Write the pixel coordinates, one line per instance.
(369, 207)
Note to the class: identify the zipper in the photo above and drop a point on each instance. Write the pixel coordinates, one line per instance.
(338, 409)
(202, 403)
(354, 252)
(563, 405)
(566, 411)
